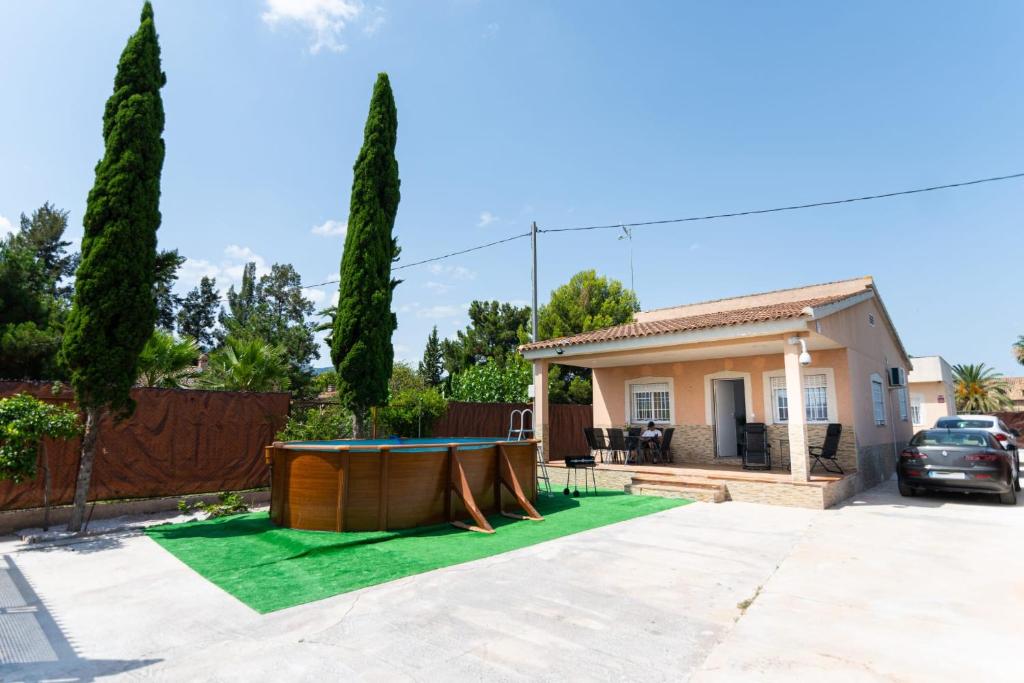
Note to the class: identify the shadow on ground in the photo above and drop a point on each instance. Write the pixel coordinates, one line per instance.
(33, 647)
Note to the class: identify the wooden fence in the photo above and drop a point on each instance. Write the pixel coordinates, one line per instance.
(492, 419)
(177, 442)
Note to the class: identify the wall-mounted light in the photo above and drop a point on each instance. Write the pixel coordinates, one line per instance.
(805, 358)
(559, 351)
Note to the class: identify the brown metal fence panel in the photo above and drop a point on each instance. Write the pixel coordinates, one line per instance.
(492, 419)
(177, 442)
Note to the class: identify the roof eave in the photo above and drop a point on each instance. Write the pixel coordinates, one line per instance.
(722, 333)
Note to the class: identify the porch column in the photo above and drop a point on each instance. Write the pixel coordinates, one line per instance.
(797, 415)
(541, 413)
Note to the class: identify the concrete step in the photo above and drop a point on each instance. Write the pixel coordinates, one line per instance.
(693, 481)
(704, 494)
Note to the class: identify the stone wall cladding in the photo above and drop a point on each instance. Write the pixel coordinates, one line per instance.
(693, 444)
(778, 436)
(876, 464)
(776, 493)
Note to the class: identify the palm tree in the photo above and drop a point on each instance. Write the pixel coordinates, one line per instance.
(246, 364)
(167, 362)
(1018, 349)
(980, 389)
(328, 325)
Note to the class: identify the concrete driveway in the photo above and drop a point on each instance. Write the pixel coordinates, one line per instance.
(876, 590)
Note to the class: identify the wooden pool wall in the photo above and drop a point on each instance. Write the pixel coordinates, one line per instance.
(337, 487)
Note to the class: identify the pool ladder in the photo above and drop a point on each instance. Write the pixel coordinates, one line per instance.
(523, 432)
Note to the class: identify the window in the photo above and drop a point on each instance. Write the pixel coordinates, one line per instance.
(901, 396)
(650, 402)
(916, 413)
(878, 399)
(815, 398)
(957, 423)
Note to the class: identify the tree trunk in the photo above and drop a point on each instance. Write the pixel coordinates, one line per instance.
(358, 423)
(45, 463)
(92, 428)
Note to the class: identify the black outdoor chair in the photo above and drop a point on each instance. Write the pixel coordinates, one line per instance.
(600, 444)
(757, 452)
(618, 443)
(588, 434)
(664, 450)
(828, 451)
(573, 465)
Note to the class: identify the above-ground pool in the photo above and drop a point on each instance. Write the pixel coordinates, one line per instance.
(365, 485)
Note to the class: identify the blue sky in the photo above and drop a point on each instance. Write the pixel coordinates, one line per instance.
(567, 113)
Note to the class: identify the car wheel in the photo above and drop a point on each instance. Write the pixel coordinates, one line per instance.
(1010, 497)
(906, 490)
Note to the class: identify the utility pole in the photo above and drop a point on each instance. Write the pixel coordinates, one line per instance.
(533, 242)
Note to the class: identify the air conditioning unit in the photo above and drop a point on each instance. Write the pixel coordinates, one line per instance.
(897, 377)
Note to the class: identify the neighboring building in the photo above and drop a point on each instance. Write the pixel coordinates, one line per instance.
(1015, 385)
(932, 396)
(707, 368)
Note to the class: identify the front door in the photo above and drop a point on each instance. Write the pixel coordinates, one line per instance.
(730, 412)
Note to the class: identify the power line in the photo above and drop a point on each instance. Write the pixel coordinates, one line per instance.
(437, 258)
(794, 207)
(691, 219)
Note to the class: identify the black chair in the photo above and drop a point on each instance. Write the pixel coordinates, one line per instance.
(828, 451)
(757, 452)
(600, 444)
(573, 465)
(664, 449)
(588, 434)
(617, 443)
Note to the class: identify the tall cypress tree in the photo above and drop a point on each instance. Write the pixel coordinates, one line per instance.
(114, 310)
(431, 365)
(361, 343)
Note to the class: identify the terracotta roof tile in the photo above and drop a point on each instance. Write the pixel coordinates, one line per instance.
(779, 311)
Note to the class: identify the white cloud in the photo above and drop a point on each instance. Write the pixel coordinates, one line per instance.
(376, 18)
(227, 272)
(324, 19)
(486, 218)
(317, 296)
(454, 272)
(330, 228)
(439, 287)
(5, 226)
(442, 311)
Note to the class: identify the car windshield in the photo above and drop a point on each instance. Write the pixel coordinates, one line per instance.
(947, 437)
(958, 423)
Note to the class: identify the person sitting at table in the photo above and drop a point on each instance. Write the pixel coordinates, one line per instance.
(651, 437)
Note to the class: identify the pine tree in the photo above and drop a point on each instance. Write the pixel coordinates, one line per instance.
(430, 366)
(362, 350)
(114, 310)
(198, 313)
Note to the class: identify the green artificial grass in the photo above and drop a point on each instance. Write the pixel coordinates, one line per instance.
(270, 568)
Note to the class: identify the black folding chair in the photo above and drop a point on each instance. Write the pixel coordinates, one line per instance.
(757, 452)
(600, 444)
(664, 449)
(828, 451)
(617, 443)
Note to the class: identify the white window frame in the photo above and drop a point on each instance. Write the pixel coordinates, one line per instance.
(919, 400)
(903, 400)
(878, 401)
(830, 395)
(630, 383)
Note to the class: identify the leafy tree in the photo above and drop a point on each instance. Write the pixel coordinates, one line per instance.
(412, 412)
(324, 381)
(361, 342)
(43, 234)
(403, 378)
(167, 362)
(246, 364)
(114, 311)
(198, 313)
(980, 389)
(318, 424)
(1018, 349)
(274, 309)
(587, 302)
(431, 366)
(167, 302)
(24, 422)
(29, 335)
(493, 334)
(493, 382)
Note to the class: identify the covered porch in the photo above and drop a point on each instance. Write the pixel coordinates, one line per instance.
(705, 389)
